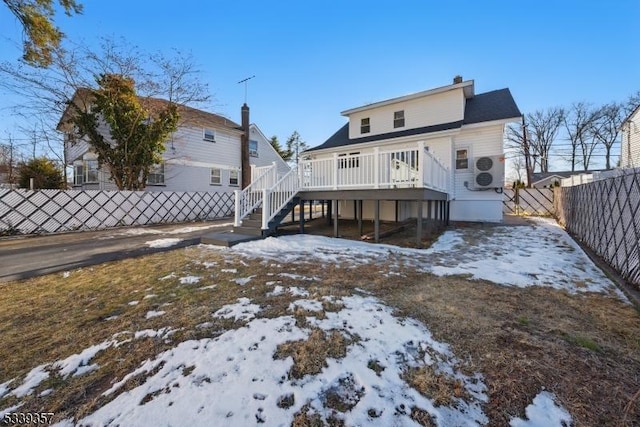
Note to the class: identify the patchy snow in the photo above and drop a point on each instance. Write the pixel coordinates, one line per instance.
(133, 303)
(243, 280)
(66, 274)
(233, 379)
(242, 310)
(543, 412)
(229, 270)
(209, 264)
(152, 313)
(297, 292)
(180, 230)
(306, 304)
(168, 276)
(4, 388)
(148, 296)
(277, 290)
(152, 333)
(202, 288)
(72, 364)
(540, 254)
(163, 243)
(31, 381)
(298, 277)
(189, 280)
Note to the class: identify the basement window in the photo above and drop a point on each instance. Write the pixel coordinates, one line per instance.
(156, 175)
(216, 176)
(233, 177)
(365, 125)
(209, 135)
(462, 159)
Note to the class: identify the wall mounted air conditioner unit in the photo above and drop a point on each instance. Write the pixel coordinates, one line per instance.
(488, 172)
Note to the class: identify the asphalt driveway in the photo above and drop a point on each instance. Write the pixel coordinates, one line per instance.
(22, 257)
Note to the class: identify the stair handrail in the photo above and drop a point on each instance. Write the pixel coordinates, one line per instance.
(250, 197)
(277, 197)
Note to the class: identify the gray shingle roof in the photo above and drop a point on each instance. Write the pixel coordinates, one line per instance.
(484, 107)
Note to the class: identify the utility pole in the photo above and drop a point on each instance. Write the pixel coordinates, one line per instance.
(527, 155)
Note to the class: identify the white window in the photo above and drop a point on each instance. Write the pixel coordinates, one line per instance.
(78, 174)
(253, 148)
(91, 171)
(209, 135)
(156, 175)
(365, 125)
(398, 119)
(216, 176)
(233, 177)
(462, 159)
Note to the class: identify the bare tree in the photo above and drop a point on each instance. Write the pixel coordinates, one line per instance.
(544, 126)
(10, 156)
(45, 93)
(517, 141)
(579, 124)
(606, 129)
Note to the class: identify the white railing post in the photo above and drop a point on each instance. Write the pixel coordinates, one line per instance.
(376, 167)
(274, 174)
(237, 214)
(335, 171)
(421, 162)
(266, 209)
(301, 173)
(253, 173)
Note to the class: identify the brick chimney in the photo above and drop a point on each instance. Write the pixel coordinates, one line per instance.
(457, 79)
(244, 151)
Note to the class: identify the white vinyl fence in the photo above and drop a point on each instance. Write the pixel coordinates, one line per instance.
(51, 211)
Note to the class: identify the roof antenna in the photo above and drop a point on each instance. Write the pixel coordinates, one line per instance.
(245, 81)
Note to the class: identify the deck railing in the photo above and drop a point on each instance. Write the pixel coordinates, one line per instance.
(408, 168)
(251, 197)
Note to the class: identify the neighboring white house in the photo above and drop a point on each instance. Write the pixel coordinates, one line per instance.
(630, 156)
(203, 154)
(448, 139)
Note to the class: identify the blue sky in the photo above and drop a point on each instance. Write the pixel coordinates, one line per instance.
(313, 59)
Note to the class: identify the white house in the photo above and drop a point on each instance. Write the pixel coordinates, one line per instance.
(203, 154)
(439, 151)
(453, 125)
(630, 156)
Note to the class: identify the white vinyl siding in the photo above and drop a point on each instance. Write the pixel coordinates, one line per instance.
(431, 110)
(630, 156)
(267, 154)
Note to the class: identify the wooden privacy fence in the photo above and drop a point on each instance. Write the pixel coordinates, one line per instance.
(605, 215)
(528, 201)
(51, 211)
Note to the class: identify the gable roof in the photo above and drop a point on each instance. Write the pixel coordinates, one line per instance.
(541, 176)
(189, 116)
(484, 107)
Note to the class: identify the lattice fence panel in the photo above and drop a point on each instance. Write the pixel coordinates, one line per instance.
(51, 211)
(528, 201)
(605, 215)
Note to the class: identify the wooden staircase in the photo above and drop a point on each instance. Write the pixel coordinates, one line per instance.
(252, 225)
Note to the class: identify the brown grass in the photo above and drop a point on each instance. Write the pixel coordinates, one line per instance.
(583, 348)
(439, 387)
(310, 355)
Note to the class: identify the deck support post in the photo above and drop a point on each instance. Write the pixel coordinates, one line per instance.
(329, 210)
(360, 217)
(429, 215)
(301, 204)
(419, 225)
(447, 213)
(376, 221)
(310, 210)
(335, 218)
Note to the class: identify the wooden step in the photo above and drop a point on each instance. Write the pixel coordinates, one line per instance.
(253, 223)
(250, 231)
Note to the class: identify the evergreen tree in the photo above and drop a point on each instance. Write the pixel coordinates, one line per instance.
(44, 172)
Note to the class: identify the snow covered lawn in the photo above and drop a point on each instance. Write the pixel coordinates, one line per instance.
(500, 325)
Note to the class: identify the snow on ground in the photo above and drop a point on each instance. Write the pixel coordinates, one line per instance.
(543, 412)
(242, 310)
(189, 280)
(162, 243)
(233, 379)
(306, 304)
(188, 229)
(540, 254)
(243, 280)
(152, 313)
